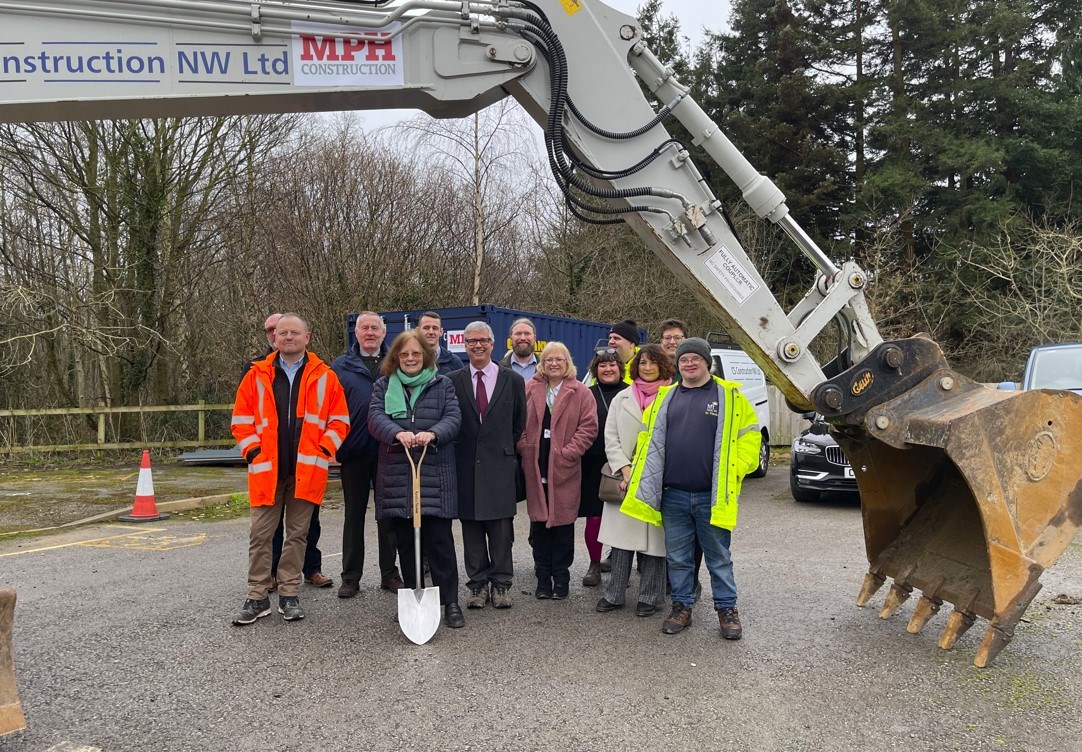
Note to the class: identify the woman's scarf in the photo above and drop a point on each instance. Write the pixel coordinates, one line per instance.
(396, 394)
(645, 391)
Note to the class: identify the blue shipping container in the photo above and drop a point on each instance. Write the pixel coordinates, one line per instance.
(580, 336)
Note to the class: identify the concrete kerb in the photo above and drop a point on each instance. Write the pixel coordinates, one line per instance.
(180, 505)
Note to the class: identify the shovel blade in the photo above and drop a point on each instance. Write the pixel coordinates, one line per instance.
(419, 613)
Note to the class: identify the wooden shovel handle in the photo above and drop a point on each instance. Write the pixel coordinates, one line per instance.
(415, 468)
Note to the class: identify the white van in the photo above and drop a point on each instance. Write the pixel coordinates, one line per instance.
(733, 364)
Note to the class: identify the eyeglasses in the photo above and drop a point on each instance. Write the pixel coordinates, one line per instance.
(673, 338)
(555, 360)
(476, 342)
(605, 351)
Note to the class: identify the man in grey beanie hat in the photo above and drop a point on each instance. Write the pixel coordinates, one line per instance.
(696, 345)
(702, 439)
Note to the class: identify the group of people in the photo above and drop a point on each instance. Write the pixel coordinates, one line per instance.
(485, 435)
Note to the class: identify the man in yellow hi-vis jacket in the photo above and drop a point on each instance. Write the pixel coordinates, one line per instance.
(701, 438)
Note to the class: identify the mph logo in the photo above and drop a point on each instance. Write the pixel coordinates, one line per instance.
(323, 58)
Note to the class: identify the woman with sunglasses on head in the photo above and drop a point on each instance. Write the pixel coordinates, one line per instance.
(650, 370)
(561, 423)
(607, 371)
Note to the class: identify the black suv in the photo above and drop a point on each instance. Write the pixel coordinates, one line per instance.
(818, 464)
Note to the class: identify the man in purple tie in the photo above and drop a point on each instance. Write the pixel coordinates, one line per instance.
(493, 403)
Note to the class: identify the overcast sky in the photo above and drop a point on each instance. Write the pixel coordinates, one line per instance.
(694, 15)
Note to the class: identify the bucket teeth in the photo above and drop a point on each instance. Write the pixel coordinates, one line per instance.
(872, 582)
(897, 595)
(995, 639)
(925, 610)
(957, 625)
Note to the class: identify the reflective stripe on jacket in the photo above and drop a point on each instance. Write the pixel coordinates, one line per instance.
(321, 404)
(736, 453)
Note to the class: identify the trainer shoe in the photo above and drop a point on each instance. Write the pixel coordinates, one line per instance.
(289, 606)
(729, 619)
(501, 598)
(252, 610)
(677, 620)
(478, 598)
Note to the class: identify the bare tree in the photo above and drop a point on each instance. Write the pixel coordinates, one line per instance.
(486, 152)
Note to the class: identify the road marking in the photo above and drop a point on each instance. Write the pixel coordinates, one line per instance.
(139, 542)
(69, 747)
(82, 543)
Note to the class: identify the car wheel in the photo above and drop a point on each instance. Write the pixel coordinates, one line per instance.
(764, 460)
(802, 494)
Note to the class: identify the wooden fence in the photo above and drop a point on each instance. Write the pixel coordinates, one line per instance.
(201, 408)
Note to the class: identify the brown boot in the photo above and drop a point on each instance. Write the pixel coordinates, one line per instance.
(593, 574)
(678, 619)
(729, 619)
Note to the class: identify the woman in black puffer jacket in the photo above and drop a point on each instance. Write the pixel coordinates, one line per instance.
(413, 407)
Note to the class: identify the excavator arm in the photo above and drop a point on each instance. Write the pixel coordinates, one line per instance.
(968, 494)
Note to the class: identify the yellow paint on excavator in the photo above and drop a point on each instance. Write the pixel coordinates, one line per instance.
(11, 711)
(968, 494)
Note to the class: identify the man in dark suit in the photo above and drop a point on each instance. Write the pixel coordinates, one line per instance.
(493, 402)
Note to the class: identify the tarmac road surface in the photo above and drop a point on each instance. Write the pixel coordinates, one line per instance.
(123, 641)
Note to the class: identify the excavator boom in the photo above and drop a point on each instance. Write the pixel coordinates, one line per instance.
(967, 494)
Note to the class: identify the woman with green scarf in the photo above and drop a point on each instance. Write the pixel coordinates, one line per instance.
(414, 407)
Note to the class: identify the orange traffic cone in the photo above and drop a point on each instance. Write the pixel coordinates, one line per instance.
(144, 510)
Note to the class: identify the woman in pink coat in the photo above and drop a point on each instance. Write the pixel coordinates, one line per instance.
(561, 424)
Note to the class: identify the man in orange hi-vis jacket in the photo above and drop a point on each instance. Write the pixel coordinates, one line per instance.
(289, 418)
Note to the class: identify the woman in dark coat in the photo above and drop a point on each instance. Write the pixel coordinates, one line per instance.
(608, 372)
(414, 407)
(561, 423)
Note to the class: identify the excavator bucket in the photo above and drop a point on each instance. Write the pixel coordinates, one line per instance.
(11, 712)
(968, 494)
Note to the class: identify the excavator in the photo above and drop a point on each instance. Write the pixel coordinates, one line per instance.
(967, 493)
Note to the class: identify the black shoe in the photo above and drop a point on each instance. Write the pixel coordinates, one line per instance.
(289, 606)
(604, 606)
(455, 619)
(544, 590)
(251, 611)
(645, 609)
(559, 591)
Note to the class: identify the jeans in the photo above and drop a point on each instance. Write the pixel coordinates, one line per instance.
(686, 517)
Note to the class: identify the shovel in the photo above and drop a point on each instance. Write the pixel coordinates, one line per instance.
(418, 610)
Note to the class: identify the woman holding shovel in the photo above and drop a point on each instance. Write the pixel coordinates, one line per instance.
(414, 410)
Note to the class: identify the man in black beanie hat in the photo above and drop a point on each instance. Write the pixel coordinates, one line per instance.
(624, 339)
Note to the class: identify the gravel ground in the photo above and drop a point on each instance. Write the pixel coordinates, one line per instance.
(125, 644)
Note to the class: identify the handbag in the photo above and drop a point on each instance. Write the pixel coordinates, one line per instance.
(609, 490)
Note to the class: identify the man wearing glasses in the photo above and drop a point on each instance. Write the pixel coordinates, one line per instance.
(702, 438)
(493, 403)
(673, 332)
